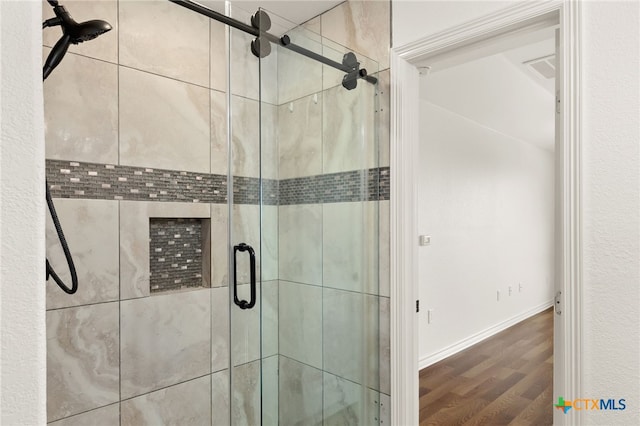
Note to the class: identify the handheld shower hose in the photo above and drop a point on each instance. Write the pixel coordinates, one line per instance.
(72, 33)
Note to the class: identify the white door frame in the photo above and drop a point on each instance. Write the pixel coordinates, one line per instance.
(404, 235)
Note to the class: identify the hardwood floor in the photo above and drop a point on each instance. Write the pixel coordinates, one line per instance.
(504, 380)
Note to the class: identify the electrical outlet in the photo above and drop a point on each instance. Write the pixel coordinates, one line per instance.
(520, 287)
(498, 295)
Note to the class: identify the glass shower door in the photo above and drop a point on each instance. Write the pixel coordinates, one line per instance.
(252, 251)
(303, 190)
(328, 241)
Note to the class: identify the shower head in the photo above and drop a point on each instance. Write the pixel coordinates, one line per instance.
(72, 33)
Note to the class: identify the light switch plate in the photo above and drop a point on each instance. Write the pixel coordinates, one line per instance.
(425, 240)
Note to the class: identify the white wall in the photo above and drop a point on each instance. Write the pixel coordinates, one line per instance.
(414, 19)
(611, 168)
(486, 199)
(611, 206)
(22, 252)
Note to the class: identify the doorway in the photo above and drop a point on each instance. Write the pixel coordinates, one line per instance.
(404, 232)
(486, 202)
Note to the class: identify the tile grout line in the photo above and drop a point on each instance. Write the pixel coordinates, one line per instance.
(83, 412)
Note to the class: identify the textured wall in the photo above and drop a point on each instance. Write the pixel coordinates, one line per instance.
(22, 209)
(611, 206)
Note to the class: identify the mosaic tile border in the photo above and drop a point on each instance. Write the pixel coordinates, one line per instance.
(71, 179)
(357, 185)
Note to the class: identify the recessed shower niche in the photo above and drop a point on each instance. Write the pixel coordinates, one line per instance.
(179, 254)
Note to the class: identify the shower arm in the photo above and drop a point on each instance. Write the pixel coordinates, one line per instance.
(349, 65)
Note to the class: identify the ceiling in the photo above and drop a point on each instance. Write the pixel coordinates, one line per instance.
(500, 92)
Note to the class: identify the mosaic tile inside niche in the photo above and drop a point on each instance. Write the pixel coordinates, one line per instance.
(178, 248)
(69, 179)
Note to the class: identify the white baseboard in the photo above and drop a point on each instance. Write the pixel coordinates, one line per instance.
(480, 336)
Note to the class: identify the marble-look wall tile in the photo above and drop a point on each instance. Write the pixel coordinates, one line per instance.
(82, 359)
(247, 220)
(300, 394)
(245, 391)
(219, 245)
(349, 141)
(219, 328)
(371, 407)
(384, 248)
(342, 401)
(252, 138)
(300, 254)
(383, 122)
(187, 403)
(245, 328)
(220, 408)
(165, 340)
(105, 416)
(299, 76)
(134, 240)
(364, 26)
(270, 318)
(247, 341)
(313, 26)
(343, 333)
(269, 243)
(218, 56)
(245, 141)
(350, 246)
(300, 137)
(81, 110)
(164, 39)
(246, 229)
(269, 141)
(270, 385)
(104, 47)
(350, 337)
(91, 230)
(219, 145)
(244, 67)
(269, 77)
(251, 77)
(301, 323)
(164, 123)
(385, 410)
(385, 345)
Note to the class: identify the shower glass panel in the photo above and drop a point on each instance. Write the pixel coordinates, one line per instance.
(303, 189)
(253, 281)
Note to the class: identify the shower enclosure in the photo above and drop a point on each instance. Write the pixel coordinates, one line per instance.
(250, 296)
